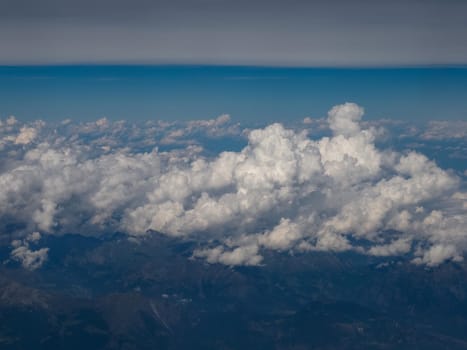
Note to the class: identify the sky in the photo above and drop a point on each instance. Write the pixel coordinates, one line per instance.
(248, 94)
(240, 32)
(255, 60)
(247, 126)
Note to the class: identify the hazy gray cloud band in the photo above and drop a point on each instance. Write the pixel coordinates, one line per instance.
(296, 33)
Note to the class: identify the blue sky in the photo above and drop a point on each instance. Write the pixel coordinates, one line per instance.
(196, 59)
(248, 94)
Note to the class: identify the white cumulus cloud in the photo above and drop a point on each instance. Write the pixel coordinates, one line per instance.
(284, 191)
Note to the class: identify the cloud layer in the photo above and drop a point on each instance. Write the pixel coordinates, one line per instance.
(282, 192)
(259, 32)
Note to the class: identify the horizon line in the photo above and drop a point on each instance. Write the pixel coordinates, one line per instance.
(225, 65)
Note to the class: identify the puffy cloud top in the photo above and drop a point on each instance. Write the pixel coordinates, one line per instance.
(343, 119)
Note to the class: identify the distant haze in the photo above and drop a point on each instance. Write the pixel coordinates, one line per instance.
(289, 33)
